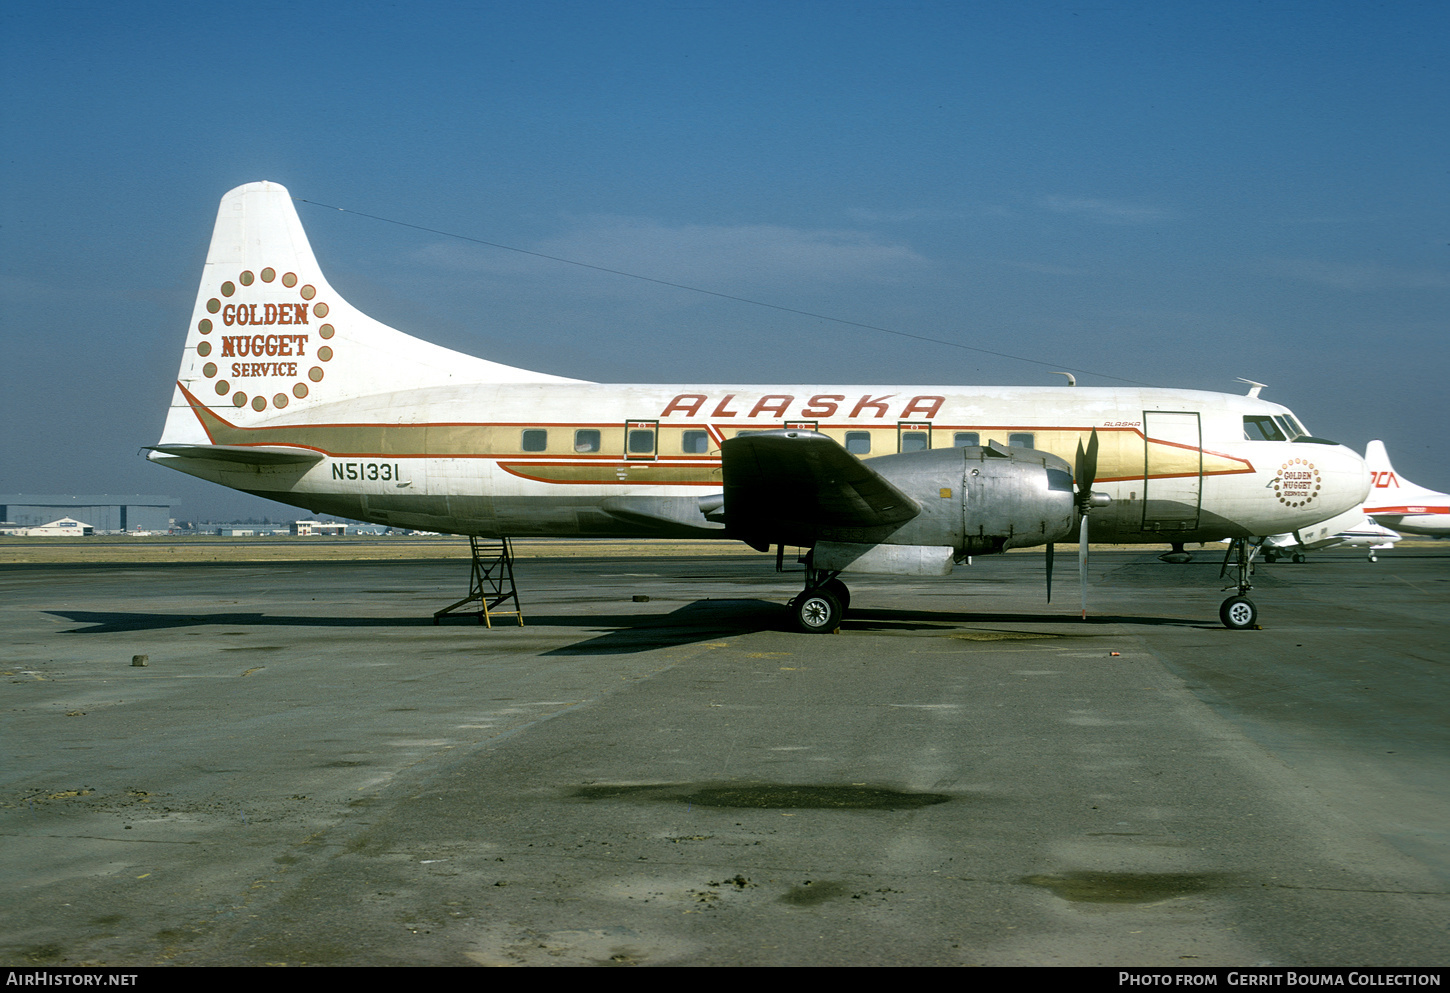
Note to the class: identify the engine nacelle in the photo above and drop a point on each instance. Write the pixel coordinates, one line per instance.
(981, 500)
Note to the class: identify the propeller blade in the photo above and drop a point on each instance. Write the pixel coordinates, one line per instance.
(1082, 561)
(1049, 571)
(1085, 469)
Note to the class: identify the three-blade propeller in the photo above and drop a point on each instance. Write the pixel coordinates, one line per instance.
(1085, 471)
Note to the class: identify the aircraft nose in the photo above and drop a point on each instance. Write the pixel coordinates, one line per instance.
(1346, 478)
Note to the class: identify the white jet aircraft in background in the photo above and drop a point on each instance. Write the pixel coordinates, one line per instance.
(1398, 503)
(1351, 528)
(288, 392)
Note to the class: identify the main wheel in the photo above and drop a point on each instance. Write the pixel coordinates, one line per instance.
(816, 612)
(1238, 613)
(838, 590)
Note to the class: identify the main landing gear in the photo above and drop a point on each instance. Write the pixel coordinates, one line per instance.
(820, 607)
(1238, 612)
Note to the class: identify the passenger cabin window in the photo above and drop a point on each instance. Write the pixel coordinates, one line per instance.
(695, 443)
(914, 441)
(858, 442)
(1020, 440)
(641, 441)
(1261, 428)
(586, 440)
(966, 439)
(535, 439)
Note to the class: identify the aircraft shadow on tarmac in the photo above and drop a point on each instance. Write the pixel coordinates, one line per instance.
(627, 634)
(111, 622)
(707, 619)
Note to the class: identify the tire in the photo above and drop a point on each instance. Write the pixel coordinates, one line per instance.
(838, 590)
(1238, 613)
(816, 612)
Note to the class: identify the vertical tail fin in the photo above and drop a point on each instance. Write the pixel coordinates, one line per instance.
(1377, 458)
(1389, 488)
(271, 341)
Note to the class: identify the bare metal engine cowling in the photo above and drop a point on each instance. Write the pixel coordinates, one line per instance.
(979, 500)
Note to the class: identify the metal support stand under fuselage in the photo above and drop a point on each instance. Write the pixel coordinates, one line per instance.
(492, 583)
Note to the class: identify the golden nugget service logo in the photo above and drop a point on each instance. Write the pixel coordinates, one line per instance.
(1298, 483)
(275, 339)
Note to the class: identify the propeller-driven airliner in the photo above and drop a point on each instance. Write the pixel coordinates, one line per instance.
(288, 392)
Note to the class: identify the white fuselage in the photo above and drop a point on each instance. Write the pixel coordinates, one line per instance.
(546, 459)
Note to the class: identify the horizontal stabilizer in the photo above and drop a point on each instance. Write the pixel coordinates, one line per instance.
(243, 454)
(795, 486)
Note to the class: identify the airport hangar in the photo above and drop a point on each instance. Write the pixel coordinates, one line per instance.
(103, 511)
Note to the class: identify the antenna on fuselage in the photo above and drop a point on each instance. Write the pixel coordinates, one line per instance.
(1253, 386)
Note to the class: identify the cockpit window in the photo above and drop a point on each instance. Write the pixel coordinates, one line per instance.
(1290, 426)
(1261, 427)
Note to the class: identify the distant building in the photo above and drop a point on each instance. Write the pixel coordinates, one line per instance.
(66, 527)
(105, 512)
(303, 528)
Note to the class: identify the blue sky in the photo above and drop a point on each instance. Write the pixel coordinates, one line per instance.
(1163, 193)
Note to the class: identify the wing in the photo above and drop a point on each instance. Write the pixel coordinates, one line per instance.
(794, 487)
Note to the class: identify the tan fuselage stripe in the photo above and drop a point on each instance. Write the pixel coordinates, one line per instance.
(1120, 455)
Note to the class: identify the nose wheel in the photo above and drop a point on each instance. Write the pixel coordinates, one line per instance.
(1238, 612)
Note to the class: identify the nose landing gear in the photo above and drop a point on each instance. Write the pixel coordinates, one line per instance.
(1238, 612)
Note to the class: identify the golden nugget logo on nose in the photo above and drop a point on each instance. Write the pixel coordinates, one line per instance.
(1298, 482)
(285, 348)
